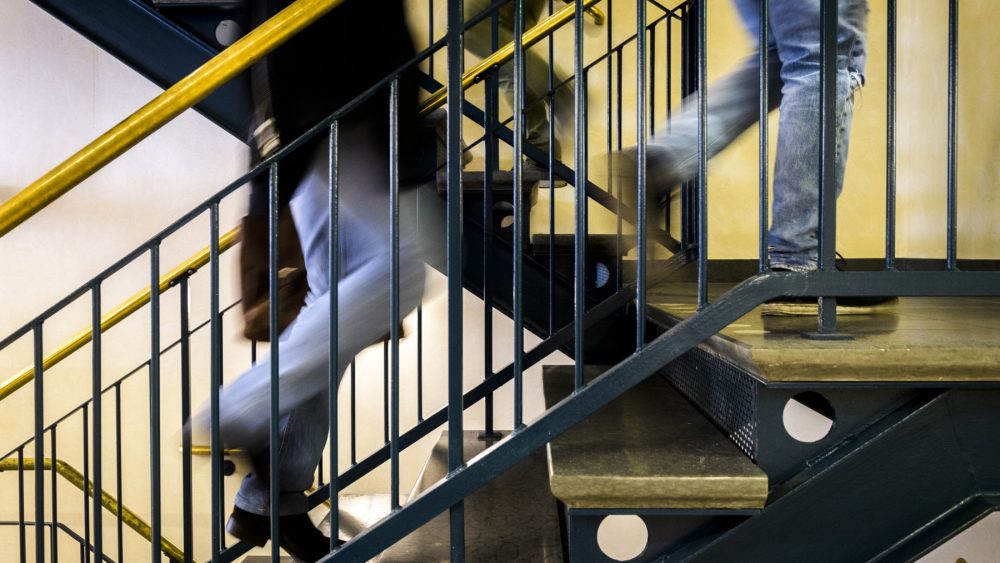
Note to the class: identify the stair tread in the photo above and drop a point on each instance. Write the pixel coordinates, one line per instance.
(512, 518)
(503, 181)
(917, 340)
(649, 448)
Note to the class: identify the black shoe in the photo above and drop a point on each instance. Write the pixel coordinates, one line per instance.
(809, 306)
(299, 537)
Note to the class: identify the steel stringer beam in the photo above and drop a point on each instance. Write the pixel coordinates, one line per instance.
(156, 48)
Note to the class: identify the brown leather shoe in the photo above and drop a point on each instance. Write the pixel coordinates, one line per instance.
(254, 278)
(299, 537)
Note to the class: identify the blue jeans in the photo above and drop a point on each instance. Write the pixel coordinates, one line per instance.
(794, 60)
(363, 291)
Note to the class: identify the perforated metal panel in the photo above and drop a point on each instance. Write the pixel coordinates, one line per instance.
(726, 393)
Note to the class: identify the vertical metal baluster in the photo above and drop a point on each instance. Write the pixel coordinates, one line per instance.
(22, 532)
(53, 482)
(702, 154)
(890, 139)
(652, 78)
(456, 54)
(827, 156)
(551, 178)
(215, 380)
(274, 439)
(518, 212)
(762, 38)
(385, 391)
(39, 389)
(687, 188)
(580, 213)
(619, 102)
(333, 239)
(641, 211)
(154, 401)
(420, 363)
(608, 125)
(96, 398)
(86, 479)
(186, 471)
(394, 290)
(669, 80)
(952, 135)
(430, 36)
(491, 106)
(118, 469)
(354, 412)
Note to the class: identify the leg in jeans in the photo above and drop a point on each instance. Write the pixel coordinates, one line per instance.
(363, 317)
(536, 72)
(794, 88)
(793, 237)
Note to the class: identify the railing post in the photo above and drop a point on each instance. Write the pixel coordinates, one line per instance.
(490, 153)
(518, 257)
(890, 157)
(96, 398)
(456, 54)
(829, 15)
(952, 135)
(394, 292)
(580, 200)
(275, 421)
(215, 381)
(154, 401)
(39, 446)
(333, 239)
(186, 470)
(641, 203)
(763, 40)
(702, 211)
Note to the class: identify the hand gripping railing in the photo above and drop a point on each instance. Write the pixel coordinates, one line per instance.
(168, 105)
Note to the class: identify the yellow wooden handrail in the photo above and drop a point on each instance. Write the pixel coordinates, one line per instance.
(116, 315)
(179, 97)
(129, 518)
(541, 30)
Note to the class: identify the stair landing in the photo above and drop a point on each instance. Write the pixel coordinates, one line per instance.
(926, 340)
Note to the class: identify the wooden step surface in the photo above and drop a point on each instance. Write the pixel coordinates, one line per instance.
(649, 448)
(512, 519)
(923, 340)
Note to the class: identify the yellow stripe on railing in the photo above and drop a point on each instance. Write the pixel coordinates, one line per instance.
(179, 97)
(506, 53)
(131, 519)
(116, 315)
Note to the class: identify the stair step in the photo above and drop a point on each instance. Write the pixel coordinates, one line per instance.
(649, 448)
(598, 244)
(513, 518)
(503, 182)
(917, 340)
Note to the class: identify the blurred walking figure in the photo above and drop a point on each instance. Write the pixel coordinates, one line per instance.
(478, 41)
(298, 85)
(794, 88)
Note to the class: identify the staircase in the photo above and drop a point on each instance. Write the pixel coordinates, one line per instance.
(720, 432)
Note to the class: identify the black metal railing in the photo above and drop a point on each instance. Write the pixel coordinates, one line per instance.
(562, 330)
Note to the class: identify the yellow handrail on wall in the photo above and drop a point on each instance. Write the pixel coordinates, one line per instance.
(179, 97)
(116, 315)
(506, 53)
(129, 518)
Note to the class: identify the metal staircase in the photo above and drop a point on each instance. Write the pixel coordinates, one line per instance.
(909, 461)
